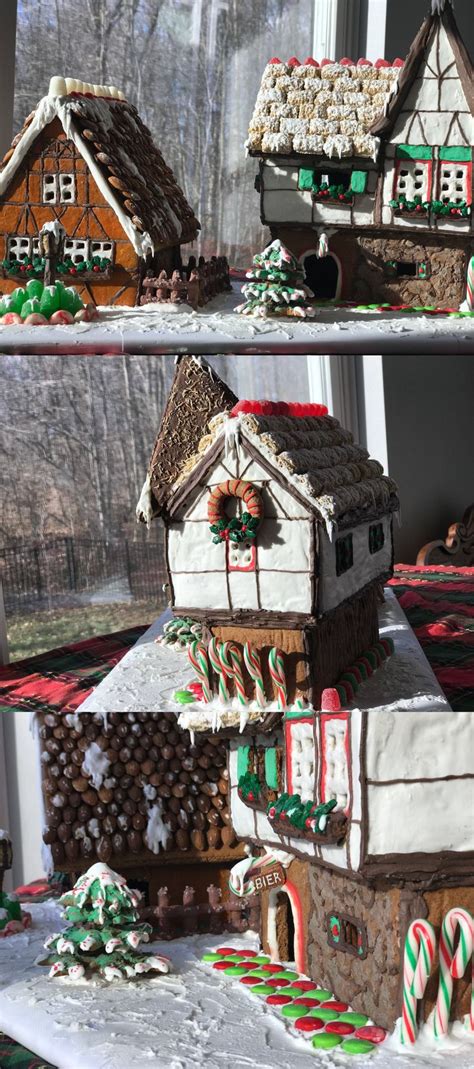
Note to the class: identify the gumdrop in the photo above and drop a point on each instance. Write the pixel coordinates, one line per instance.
(49, 301)
(30, 306)
(34, 288)
(17, 299)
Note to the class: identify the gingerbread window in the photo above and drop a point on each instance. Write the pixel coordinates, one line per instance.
(59, 188)
(347, 934)
(104, 249)
(454, 184)
(376, 537)
(76, 250)
(413, 179)
(344, 554)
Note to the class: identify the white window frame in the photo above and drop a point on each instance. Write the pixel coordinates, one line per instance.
(104, 249)
(455, 195)
(30, 245)
(54, 182)
(418, 180)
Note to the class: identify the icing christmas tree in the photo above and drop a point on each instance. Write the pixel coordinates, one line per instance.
(276, 285)
(102, 936)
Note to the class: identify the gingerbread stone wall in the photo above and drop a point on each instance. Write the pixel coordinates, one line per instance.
(370, 985)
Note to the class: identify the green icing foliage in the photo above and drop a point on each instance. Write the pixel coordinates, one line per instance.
(301, 815)
(243, 753)
(235, 530)
(271, 768)
(249, 787)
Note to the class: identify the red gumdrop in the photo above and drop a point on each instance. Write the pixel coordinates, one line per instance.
(241, 406)
(303, 1000)
(272, 967)
(363, 62)
(398, 62)
(346, 62)
(220, 965)
(281, 408)
(245, 954)
(293, 62)
(330, 701)
(266, 408)
(274, 59)
(225, 950)
(371, 1032)
(310, 62)
(277, 1000)
(381, 63)
(309, 1024)
(340, 1028)
(303, 985)
(326, 62)
(250, 965)
(247, 979)
(338, 1007)
(275, 982)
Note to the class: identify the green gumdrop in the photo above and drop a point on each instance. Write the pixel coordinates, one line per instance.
(5, 305)
(211, 957)
(29, 307)
(357, 1046)
(262, 959)
(235, 970)
(34, 287)
(326, 1041)
(184, 697)
(325, 1015)
(17, 299)
(320, 995)
(262, 989)
(285, 975)
(290, 1010)
(49, 302)
(72, 300)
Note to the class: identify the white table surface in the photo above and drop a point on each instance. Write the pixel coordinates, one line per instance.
(147, 676)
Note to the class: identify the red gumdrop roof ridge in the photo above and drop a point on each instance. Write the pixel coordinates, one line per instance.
(345, 62)
(294, 409)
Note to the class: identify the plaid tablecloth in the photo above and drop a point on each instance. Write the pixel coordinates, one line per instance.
(439, 604)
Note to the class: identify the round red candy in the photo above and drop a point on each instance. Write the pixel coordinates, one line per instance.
(338, 1007)
(277, 983)
(303, 985)
(309, 1024)
(225, 950)
(244, 954)
(278, 1000)
(272, 968)
(221, 964)
(371, 1032)
(311, 1002)
(340, 1028)
(250, 965)
(247, 979)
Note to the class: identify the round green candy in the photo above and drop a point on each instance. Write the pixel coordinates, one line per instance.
(320, 995)
(211, 957)
(325, 1015)
(262, 989)
(357, 1019)
(290, 1010)
(262, 959)
(184, 697)
(235, 970)
(357, 1046)
(325, 1041)
(261, 974)
(286, 974)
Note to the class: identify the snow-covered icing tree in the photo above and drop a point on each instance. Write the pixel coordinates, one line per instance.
(276, 285)
(103, 936)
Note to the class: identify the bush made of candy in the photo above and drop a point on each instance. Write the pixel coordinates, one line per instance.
(36, 304)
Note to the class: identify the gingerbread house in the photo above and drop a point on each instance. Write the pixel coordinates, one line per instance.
(278, 530)
(86, 167)
(366, 169)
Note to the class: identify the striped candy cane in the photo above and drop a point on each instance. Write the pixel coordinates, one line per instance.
(452, 965)
(420, 945)
(277, 673)
(218, 669)
(231, 660)
(470, 285)
(197, 654)
(253, 665)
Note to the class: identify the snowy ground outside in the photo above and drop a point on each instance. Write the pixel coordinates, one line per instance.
(218, 328)
(193, 1016)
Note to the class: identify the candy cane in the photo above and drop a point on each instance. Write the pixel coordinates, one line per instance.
(452, 965)
(217, 668)
(254, 668)
(470, 286)
(420, 945)
(231, 660)
(277, 673)
(197, 654)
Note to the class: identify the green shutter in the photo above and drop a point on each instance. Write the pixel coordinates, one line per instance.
(414, 152)
(242, 760)
(305, 178)
(271, 768)
(359, 181)
(457, 152)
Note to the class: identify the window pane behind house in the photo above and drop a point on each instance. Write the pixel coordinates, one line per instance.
(192, 68)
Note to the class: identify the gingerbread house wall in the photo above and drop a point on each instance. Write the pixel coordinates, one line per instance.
(89, 218)
(281, 200)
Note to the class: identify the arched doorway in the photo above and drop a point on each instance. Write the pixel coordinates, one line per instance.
(285, 935)
(322, 275)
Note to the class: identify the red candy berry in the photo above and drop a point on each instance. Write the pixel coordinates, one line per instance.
(277, 1000)
(250, 965)
(381, 63)
(340, 1028)
(371, 1032)
(272, 967)
(273, 982)
(305, 1001)
(330, 700)
(310, 62)
(293, 62)
(246, 954)
(274, 60)
(247, 979)
(346, 62)
(309, 1024)
(220, 964)
(338, 1007)
(303, 985)
(225, 950)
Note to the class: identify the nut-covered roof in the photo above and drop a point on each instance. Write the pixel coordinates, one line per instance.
(125, 162)
(328, 110)
(149, 761)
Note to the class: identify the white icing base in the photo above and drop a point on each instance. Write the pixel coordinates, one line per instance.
(148, 675)
(217, 328)
(193, 1016)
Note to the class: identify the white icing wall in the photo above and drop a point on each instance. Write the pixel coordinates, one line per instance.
(283, 202)
(198, 565)
(333, 589)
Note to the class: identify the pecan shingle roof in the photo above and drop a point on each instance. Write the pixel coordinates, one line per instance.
(126, 164)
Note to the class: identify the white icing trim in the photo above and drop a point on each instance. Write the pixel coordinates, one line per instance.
(144, 509)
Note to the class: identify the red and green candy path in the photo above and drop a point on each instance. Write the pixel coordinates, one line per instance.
(312, 1011)
(333, 698)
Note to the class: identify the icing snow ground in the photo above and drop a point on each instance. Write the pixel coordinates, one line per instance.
(217, 328)
(191, 1017)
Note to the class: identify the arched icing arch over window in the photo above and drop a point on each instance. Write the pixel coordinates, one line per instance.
(323, 274)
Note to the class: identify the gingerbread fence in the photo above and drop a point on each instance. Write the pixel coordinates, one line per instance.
(195, 285)
(214, 916)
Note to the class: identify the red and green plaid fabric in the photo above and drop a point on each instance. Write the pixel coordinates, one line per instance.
(439, 604)
(62, 678)
(13, 1056)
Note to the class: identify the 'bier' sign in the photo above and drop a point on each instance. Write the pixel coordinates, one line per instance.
(269, 879)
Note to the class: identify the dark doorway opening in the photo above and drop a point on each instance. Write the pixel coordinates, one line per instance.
(285, 928)
(322, 276)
